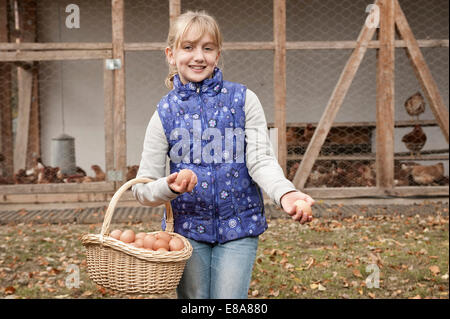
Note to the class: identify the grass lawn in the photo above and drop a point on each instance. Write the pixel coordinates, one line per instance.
(381, 256)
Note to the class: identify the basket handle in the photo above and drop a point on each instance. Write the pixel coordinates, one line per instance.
(118, 194)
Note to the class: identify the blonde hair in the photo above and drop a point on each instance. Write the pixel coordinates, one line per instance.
(199, 21)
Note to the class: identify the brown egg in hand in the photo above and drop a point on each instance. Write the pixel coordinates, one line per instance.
(304, 206)
(184, 174)
(127, 236)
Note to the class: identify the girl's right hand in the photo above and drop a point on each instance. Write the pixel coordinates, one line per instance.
(185, 186)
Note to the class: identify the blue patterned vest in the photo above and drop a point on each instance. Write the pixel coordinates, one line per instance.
(204, 125)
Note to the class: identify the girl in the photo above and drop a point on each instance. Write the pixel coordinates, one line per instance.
(219, 208)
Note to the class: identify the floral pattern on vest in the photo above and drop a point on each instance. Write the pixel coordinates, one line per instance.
(204, 124)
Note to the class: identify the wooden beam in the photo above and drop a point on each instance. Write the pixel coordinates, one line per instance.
(47, 46)
(279, 77)
(25, 86)
(355, 192)
(374, 44)
(409, 123)
(385, 97)
(104, 48)
(401, 156)
(333, 105)
(28, 34)
(120, 141)
(174, 10)
(108, 94)
(6, 136)
(57, 188)
(422, 71)
(54, 55)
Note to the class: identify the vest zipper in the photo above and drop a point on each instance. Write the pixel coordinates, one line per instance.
(215, 217)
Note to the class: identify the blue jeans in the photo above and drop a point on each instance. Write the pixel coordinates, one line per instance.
(219, 271)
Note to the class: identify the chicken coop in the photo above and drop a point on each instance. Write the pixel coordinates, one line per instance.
(355, 92)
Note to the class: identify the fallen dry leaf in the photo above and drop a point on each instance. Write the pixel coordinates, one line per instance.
(10, 290)
(357, 273)
(321, 288)
(434, 270)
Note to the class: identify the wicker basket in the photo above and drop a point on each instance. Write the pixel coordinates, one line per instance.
(119, 266)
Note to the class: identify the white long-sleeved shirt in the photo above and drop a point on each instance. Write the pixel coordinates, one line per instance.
(260, 158)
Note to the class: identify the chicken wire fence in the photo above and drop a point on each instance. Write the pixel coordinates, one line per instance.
(67, 99)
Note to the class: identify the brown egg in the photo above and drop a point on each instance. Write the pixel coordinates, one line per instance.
(127, 236)
(161, 249)
(140, 235)
(139, 242)
(164, 236)
(116, 233)
(176, 244)
(184, 174)
(160, 243)
(304, 206)
(148, 241)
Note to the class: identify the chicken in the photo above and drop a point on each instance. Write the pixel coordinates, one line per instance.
(76, 178)
(366, 174)
(132, 172)
(48, 175)
(292, 136)
(307, 133)
(99, 174)
(402, 173)
(36, 168)
(426, 175)
(415, 140)
(21, 177)
(323, 174)
(415, 105)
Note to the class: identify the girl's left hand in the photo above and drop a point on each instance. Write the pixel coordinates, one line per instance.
(287, 202)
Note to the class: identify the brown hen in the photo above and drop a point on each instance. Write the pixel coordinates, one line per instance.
(415, 105)
(415, 140)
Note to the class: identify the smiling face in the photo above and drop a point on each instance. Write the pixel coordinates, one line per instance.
(195, 58)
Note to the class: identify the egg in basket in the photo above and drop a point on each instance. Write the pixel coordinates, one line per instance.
(123, 263)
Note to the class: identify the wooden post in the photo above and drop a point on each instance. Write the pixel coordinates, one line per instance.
(6, 140)
(174, 9)
(25, 86)
(422, 71)
(28, 34)
(333, 105)
(385, 97)
(279, 77)
(109, 118)
(120, 146)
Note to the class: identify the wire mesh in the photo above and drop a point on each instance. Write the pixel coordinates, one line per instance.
(347, 158)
